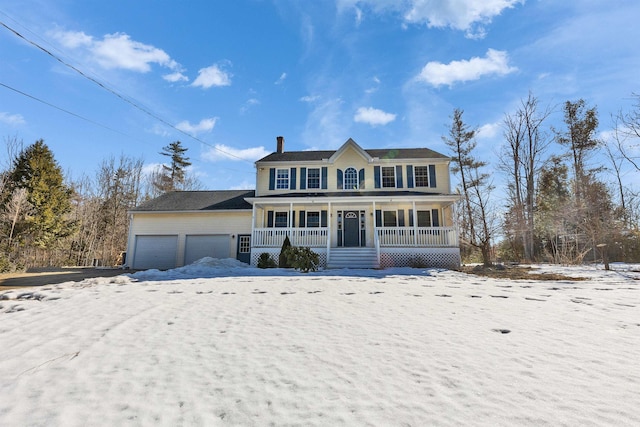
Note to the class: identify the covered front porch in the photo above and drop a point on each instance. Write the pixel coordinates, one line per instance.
(406, 228)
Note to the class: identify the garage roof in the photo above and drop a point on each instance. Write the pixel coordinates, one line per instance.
(198, 201)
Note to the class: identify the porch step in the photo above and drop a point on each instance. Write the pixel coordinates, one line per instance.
(353, 258)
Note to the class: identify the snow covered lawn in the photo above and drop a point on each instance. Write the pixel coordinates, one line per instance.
(218, 344)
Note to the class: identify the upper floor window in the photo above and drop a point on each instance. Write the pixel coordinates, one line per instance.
(350, 179)
(421, 174)
(313, 178)
(282, 179)
(388, 176)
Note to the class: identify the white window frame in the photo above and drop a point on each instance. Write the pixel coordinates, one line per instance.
(345, 183)
(309, 186)
(424, 178)
(280, 214)
(382, 176)
(282, 179)
(314, 213)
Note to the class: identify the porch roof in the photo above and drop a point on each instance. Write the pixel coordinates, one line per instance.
(354, 197)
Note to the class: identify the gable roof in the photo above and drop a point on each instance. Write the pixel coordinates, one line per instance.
(381, 153)
(198, 201)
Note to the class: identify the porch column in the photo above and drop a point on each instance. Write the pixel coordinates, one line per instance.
(293, 238)
(329, 216)
(415, 224)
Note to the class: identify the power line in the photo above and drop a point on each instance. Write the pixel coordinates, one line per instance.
(121, 97)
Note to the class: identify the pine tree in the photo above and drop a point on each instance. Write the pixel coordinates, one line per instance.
(172, 176)
(475, 187)
(36, 171)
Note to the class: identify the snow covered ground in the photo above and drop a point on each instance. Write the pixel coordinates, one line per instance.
(218, 343)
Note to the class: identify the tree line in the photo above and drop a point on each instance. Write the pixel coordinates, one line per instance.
(47, 220)
(557, 207)
(561, 207)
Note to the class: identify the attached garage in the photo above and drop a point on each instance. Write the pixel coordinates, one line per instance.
(211, 245)
(181, 227)
(159, 252)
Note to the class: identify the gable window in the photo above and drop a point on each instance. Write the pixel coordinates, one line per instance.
(313, 178)
(389, 219)
(281, 219)
(388, 176)
(421, 174)
(282, 179)
(350, 179)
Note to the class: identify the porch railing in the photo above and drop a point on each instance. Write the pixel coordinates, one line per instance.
(419, 236)
(274, 237)
(384, 237)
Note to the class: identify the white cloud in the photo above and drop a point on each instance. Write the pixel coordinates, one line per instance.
(175, 77)
(310, 98)
(465, 15)
(488, 131)
(281, 79)
(247, 105)
(205, 125)
(12, 119)
(373, 116)
(212, 76)
(117, 51)
(221, 152)
(494, 63)
(327, 125)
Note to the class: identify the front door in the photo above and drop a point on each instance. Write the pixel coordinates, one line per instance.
(351, 229)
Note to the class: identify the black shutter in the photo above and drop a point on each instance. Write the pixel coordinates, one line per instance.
(292, 179)
(302, 218)
(376, 176)
(323, 218)
(361, 179)
(378, 218)
(400, 217)
(432, 176)
(269, 218)
(410, 217)
(272, 179)
(339, 178)
(409, 176)
(398, 176)
(324, 177)
(303, 178)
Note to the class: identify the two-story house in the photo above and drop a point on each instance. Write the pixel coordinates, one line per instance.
(354, 207)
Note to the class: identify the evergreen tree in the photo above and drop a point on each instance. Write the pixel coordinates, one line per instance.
(476, 227)
(36, 171)
(172, 176)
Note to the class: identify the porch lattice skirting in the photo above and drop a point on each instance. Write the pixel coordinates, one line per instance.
(448, 258)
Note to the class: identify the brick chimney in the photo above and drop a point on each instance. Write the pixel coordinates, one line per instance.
(280, 144)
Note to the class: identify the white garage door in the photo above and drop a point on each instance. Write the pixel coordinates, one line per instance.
(211, 245)
(155, 252)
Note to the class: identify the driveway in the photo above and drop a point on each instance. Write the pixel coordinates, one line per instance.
(50, 276)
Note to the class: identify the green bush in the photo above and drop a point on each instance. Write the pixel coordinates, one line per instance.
(265, 261)
(303, 259)
(283, 261)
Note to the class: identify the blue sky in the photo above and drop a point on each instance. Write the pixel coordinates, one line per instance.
(235, 74)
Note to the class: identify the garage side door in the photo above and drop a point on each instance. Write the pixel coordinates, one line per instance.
(156, 252)
(211, 245)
